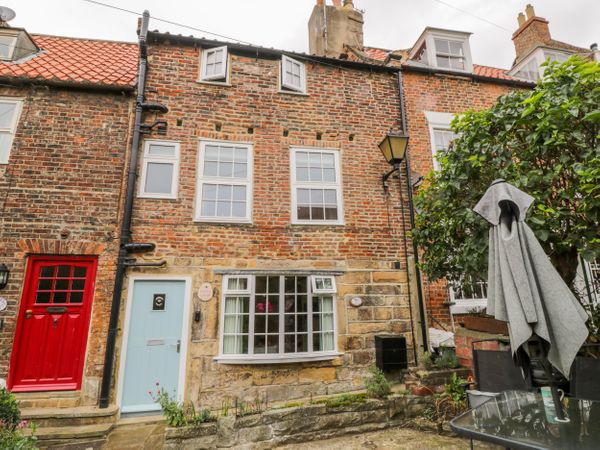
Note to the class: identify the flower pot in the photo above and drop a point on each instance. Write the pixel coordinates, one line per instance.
(485, 324)
(421, 391)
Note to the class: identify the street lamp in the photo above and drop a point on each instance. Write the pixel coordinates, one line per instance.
(394, 146)
(3, 275)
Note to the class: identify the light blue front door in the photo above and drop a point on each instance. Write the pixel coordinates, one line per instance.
(154, 342)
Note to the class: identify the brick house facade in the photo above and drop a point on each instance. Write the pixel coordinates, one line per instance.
(60, 191)
(346, 110)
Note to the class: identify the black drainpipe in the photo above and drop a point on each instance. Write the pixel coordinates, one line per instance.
(125, 236)
(412, 218)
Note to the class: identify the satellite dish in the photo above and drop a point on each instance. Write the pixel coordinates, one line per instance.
(6, 14)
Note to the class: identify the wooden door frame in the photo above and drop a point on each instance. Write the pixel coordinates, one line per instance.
(26, 291)
(185, 330)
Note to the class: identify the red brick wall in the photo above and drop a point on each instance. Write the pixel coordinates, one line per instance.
(60, 194)
(341, 102)
(531, 34)
(447, 94)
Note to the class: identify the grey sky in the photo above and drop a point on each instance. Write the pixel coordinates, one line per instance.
(282, 23)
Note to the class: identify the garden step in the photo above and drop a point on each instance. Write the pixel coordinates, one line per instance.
(82, 437)
(67, 399)
(70, 417)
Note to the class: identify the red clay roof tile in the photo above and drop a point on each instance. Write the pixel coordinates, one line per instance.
(73, 60)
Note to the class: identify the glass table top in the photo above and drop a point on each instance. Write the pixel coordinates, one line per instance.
(520, 420)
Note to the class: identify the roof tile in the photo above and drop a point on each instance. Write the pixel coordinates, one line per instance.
(85, 61)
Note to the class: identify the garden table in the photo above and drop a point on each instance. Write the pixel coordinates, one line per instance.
(520, 420)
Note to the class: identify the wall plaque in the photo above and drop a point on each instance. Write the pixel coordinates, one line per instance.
(205, 292)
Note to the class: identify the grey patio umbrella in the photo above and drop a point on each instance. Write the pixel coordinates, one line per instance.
(524, 289)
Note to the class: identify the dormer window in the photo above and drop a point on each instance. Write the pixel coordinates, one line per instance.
(214, 67)
(16, 44)
(7, 47)
(444, 49)
(530, 68)
(450, 54)
(293, 75)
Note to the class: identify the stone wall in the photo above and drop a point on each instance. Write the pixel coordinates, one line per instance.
(306, 423)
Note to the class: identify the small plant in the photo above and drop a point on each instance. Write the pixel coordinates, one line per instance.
(341, 400)
(176, 413)
(377, 385)
(11, 425)
(225, 406)
(243, 408)
(449, 403)
(446, 359)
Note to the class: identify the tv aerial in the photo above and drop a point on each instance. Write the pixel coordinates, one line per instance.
(6, 14)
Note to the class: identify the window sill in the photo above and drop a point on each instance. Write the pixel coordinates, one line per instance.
(275, 359)
(223, 221)
(318, 224)
(215, 83)
(465, 306)
(157, 197)
(301, 94)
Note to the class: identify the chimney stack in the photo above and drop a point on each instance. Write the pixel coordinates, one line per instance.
(332, 28)
(532, 32)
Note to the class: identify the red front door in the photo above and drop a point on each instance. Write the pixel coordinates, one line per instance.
(50, 340)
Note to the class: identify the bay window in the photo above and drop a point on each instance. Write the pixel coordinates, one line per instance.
(270, 318)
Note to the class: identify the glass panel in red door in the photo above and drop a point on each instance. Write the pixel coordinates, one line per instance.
(51, 336)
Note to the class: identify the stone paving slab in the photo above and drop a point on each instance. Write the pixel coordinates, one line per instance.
(391, 438)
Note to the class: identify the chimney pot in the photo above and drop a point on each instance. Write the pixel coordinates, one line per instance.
(521, 19)
(594, 47)
(348, 4)
(529, 11)
(337, 3)
(320, 2)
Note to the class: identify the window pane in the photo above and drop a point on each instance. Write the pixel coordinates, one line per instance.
(261, 285)
(302, 174)
(47, 271)
(456, 48)
(240, 170)
(159, 178)
(316, 174)
(273, 344)
(60, 297)
(225, 169)
(314, 159)
(6, 42)
(442, 46)
(208, 209)
(303, 213)
(226, 154)
(301, 159)
(209, 192)
(273, 284)
(79, 272)
(211, 169)
(44, 285)
(42, 297)
(63, 271)
(211, 153)
(224, 192)
(328, 160)
(329, 175)
(161, 150)
(443, 61)
(302, 343)
(238, 209)
(290, 344)
(223, 209)
(317, 213)
(76, 297)
(5, 142)
(273, 323)
(240, 155)
(457, 63)
(290, 323)
(7, 111)
(62, 285)
(259, 343)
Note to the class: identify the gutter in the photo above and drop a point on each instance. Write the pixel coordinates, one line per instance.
(256, 51)
(472, 76)
(26, 81)
(125, 236)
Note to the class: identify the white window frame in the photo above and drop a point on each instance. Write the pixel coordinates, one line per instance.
(12, 129)
(463, 305)
(428, 38)
(437, 121)
(539, 56)
(315, 290)
(288, 87)
(11, 48)
(173, 160)
(221, 77)
(337, 185)
(281, 357)
(201, 180)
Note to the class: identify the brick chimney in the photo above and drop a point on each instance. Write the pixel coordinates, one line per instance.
(533, 31)
(332, 27)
